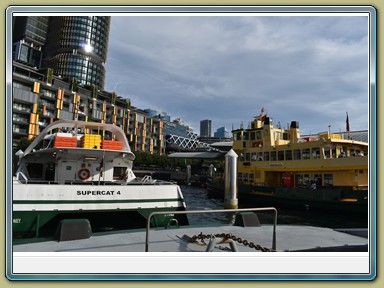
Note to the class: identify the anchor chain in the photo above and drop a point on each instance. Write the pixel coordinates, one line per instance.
(227, 236)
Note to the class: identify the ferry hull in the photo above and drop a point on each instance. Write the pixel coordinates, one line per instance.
(38, 212)
(353, 201)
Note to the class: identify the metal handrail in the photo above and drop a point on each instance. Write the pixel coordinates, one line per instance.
(213, 211)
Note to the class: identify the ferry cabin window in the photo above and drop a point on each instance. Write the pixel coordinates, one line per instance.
(246, 136)
(288, 155)
(237, 136)
(253, 135)
(258, 135)
(306, 154)
(316, 153)
(328, 180)
(245, 177)
(266, 156)
(251, 177)
(253, 156)
(273, 156)
(259, 156)
(50, 172)
(297, 154)
(280, 155)
(119, 172)
(307, 180)
(327, 152)
(334, 152)
(247, 156)
(299, 180)
(240, 177)
(35, 170)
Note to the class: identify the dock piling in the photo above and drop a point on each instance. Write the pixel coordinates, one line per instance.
(230, 196)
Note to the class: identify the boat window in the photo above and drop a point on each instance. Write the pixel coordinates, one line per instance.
(245, 177)
(316, 153)
(328, 180)
(280, 155)
(334, 152)
(299, 179)
(240, 177)
(306, 154)
(241, 157)
(318, 180)
(244, 144)
(119, 173)
(35, 170)
(251, 177)
(247, 156)
(246, 136)
(253, 135)
(273, 156)
(253, 157)
(297, 154)
(288, 155)
(327, 152)
(307, 180)
(259, 156)
(50, 172)
(258, 135)
(266, 156)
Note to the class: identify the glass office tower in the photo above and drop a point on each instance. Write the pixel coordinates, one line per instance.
(77, 48)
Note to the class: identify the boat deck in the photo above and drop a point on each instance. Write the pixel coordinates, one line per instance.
(288, 238)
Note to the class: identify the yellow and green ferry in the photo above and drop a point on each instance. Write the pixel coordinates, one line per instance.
(279, 166)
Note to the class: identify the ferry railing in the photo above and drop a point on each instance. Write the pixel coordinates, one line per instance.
(213, 211)
(20, 175)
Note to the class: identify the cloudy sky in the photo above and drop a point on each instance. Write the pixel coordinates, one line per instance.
(311, 69)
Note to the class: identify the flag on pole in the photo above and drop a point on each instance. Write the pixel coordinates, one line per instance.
(347, 123)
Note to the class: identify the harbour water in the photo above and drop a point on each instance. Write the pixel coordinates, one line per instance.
(198, 199)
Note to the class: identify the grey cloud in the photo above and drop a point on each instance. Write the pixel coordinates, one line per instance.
(310, 69)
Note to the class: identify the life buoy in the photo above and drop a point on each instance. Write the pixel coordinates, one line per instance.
(84, 174)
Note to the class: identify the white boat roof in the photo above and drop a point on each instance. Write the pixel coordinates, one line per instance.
(117, 131)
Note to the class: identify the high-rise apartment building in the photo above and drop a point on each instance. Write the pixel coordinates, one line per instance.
(41, 98)
(29, 37)
(205, 128)
(77, 47)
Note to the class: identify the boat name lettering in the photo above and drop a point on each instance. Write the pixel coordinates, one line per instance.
(97, 192)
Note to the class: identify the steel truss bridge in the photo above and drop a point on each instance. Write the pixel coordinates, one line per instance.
(190, 143)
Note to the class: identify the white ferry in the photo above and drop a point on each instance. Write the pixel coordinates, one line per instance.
(77, 171)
